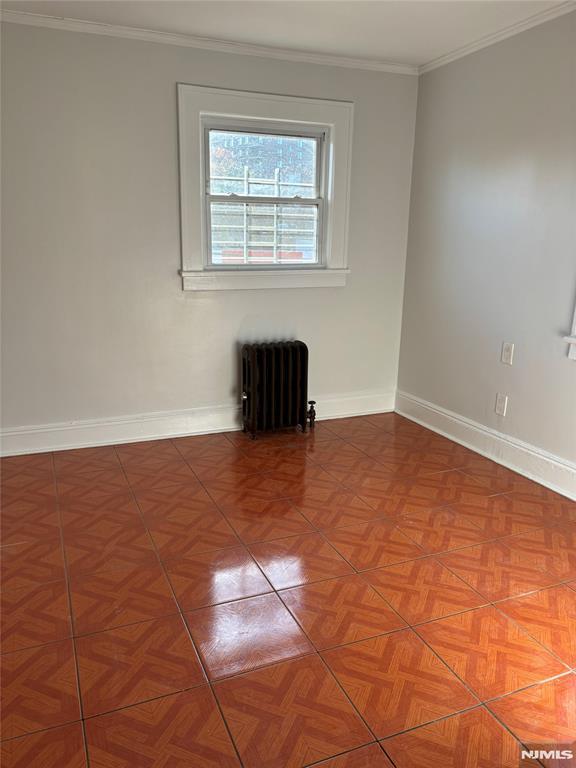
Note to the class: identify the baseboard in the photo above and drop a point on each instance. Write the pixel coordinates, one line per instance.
(533, 462)
(151, 426)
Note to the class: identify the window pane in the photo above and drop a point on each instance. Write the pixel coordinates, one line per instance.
(262, 164)
(244, 233)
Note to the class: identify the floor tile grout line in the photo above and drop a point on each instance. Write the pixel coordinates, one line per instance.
(71, 614)
(447, 717)
(323, 760)
(522, 594)
(529, 634)
(528, 687)
(242, 543)
(10, 739)
(192, 642)
(476, 695)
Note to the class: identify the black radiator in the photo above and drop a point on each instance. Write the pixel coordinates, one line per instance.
(275, 387)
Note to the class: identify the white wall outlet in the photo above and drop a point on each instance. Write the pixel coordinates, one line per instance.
(507, 355)
(501, 404)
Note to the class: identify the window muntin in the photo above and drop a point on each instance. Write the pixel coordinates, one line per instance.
(263, 198)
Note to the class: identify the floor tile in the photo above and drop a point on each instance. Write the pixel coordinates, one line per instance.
(179, 536)
(196, 447)
(371, 756)
(263, 520)
(421, 590)
(216, 577)
(189, 493)
(396, 682)
(229, 467)
(179, 731)
(82, 513)
(93, 486)
(351, 460)
(114, 598)
(29, 482)
(489, 652)
(499, 478)
(85, 460)
(138, 453)
(505, 515)
(108, 546)
(340, 611)
(54, 748)
(321, 492)
(298, 472)
(398, 496)
(31, 563)
(35, 616)
(336, 452)
(374, 544)
(550, 617)
(128, 665)
(155, 474)
(10, 465)
(353, 426)
(470, 740)
(553, 507)
(341, 508)
(157, 504)
(235, 490)
(42, 524)
(289, 715)
(299, 560)
(417, 462)
(542, 716)
(39, 689)
(17, 507)
(555, 547)
(497, 571)
(237, 637)
(439, 530)
(80, 520)
(393, 422)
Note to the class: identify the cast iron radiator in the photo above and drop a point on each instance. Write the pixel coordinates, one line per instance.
(275, 387)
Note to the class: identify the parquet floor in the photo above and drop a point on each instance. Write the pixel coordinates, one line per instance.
(366, 596)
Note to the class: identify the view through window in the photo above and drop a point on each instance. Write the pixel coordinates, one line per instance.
(263, 198)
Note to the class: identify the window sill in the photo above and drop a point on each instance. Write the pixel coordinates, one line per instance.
(232, 280)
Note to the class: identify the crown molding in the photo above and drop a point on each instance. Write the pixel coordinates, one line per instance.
(203, 43)
(503, 34)
(284, 54)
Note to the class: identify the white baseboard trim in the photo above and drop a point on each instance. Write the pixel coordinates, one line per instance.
(533, 462)
(150, 426)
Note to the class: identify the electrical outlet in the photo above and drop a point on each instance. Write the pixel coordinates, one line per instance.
(507, 355)
(501, 404)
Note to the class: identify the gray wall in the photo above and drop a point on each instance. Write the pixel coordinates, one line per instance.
(492, 237)
(95, 323)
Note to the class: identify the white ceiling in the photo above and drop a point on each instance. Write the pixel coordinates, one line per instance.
(406, 32)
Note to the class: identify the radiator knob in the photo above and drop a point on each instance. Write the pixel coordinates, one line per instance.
(244, 396)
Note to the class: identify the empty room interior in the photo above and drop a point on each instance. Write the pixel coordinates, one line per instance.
(288, 392)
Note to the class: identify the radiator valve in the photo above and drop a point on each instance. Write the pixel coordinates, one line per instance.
(311, 413)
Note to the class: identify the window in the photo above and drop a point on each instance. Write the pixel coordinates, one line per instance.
(263, 198)
(264, 190)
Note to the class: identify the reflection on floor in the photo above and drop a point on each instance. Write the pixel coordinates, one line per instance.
(368, 595)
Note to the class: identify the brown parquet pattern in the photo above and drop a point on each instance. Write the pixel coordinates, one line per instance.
(365, 596)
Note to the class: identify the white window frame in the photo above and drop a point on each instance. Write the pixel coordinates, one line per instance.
(201, 109)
